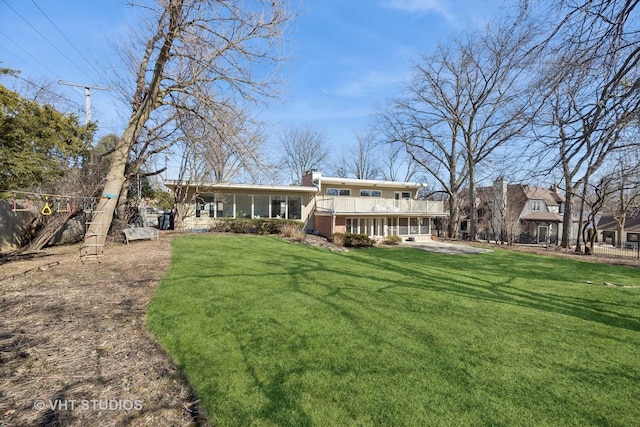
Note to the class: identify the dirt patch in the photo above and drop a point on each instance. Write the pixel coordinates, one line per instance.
(74, 348)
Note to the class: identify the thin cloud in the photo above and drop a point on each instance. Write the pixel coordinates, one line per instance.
(368, 83)
(421, 6)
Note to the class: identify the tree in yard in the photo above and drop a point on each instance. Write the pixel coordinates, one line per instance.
(224, 152)
(463, 104)
(627, 188)
(591, 91)
(38, 144)
(194, 55)
(230, 149)
(396, 163)
(303, 148)
(360, 160)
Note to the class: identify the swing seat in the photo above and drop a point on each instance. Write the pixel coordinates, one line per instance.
(140, 233)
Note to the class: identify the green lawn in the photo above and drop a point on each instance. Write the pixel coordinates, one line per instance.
(271, 333)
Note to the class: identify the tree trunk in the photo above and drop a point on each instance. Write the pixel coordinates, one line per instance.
(121, 208)
(96, 234)
(473, 208)
(581, 224)
(567, 218)
(452, 229)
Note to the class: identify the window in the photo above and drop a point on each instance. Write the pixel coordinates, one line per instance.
(278, 207)
(224, 206)
(402, 195)
(535, 205)
(633, 237)
(370, 193)
(244, 206)
(294, 208)
(261, 206)
(338, 192)
(352, 225)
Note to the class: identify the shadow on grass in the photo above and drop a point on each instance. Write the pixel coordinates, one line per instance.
(360, 286)
(467, 283)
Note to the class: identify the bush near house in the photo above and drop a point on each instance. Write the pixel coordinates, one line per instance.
(392, 240)
(253, 226)
(292, 231)
(352, 240)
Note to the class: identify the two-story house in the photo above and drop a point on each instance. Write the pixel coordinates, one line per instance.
(520, 212)
(326, 205)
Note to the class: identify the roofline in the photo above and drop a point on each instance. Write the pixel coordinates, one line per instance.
(232, 186)
(370, 182)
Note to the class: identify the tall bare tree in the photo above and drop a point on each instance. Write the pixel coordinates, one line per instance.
(396, 163)
(462, 104)
(303, 148)
(190, 53)
(361, 159)
(591, 90)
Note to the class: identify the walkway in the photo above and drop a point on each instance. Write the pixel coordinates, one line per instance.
(445, 247)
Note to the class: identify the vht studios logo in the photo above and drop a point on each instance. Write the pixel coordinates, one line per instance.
(86, 405)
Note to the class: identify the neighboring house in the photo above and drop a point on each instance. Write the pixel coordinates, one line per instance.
(326, 205)
(612, 234)
(519, 213)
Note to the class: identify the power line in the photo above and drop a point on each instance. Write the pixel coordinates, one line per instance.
(45, 89)
(44, 37)
(28, 53)
(66, 38)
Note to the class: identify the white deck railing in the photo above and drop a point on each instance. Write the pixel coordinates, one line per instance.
(377, 205)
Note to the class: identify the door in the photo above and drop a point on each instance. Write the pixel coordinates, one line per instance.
(543, 233)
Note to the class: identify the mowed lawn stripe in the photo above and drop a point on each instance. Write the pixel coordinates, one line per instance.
(270, 332)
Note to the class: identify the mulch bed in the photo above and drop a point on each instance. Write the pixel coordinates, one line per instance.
(74, 348)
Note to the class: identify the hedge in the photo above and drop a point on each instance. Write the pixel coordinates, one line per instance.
(252, 226)
(352, 240)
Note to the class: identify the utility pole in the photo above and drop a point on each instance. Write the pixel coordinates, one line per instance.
(87, 97)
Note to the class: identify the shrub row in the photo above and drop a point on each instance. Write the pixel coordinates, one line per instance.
(352, 240)
(254, 226)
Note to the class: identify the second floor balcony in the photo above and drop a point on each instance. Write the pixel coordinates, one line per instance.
(362, 205)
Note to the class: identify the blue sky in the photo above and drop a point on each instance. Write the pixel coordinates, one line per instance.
(348, 56)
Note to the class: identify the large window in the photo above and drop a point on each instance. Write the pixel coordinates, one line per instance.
(261, 206)
(224, 206)
(243, 206)
(294, 207)
(249, 206)
(278, 207)
(370, 193)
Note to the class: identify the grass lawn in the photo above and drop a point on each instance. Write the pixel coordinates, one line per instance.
(271, 333)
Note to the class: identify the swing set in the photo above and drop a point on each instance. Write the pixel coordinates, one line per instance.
(53, 203)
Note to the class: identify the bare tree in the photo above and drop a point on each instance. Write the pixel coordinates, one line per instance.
(360, 160)
(627, 188)
(193, 53)
(396, 163)
(591, 91)
(303, 148)
(231, 148)
(462, 104)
